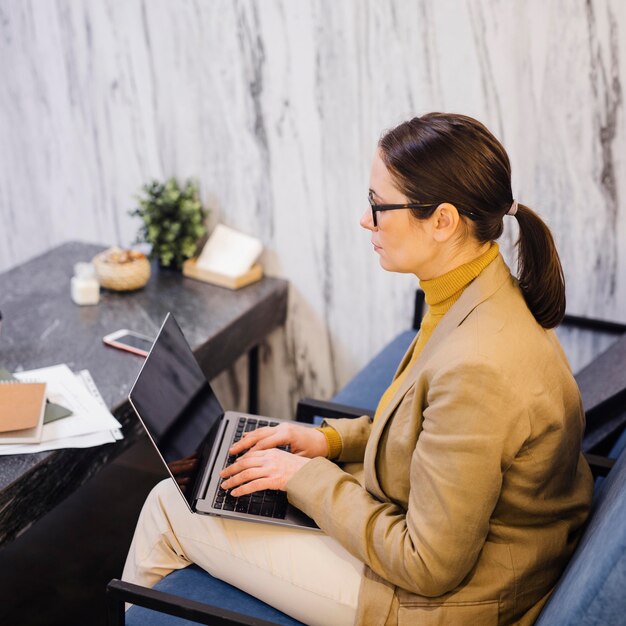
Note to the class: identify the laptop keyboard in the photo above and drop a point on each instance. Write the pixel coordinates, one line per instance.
(268, 503)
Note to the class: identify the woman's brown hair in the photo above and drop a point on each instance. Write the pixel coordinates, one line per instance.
(447, 157)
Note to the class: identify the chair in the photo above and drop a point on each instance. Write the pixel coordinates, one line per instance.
(193, 594)
(591, 591)
(602, 386)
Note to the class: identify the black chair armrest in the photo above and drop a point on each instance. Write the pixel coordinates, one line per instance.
(308, 408)
(589, 323)
(118, 592)
(600, 465)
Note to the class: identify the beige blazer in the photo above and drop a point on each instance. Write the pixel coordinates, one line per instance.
(474, 487)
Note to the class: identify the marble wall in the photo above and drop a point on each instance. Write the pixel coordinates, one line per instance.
(276, 107)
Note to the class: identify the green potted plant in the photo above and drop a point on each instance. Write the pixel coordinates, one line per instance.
(173, 220)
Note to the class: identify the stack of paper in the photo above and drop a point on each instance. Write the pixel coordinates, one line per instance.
(91, 423)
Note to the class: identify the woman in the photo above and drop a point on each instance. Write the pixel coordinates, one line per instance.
(469, 489)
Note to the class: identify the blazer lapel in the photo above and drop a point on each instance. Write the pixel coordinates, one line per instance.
(407, 357)
(483, 286)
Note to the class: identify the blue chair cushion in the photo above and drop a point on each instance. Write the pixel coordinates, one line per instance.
(367, 387)
(591, 591)
(195, 584)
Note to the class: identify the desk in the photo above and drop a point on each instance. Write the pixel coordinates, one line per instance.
(43, 327)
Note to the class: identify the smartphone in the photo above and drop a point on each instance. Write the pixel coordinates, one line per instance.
(129, 340)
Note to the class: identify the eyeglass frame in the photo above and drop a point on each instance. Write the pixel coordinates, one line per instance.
(376, 208)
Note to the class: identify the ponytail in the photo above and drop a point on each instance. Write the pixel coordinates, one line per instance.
(540, 273)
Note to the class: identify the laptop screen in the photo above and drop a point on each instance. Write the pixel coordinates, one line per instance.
(174, 400)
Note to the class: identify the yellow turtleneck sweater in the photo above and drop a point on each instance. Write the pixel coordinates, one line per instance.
(440, 294)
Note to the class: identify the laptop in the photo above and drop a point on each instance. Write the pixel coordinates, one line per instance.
(182, 416)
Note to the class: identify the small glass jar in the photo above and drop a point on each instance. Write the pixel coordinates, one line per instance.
(85, 287)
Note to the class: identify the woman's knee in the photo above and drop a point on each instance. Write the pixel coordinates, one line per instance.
(163, 491)
(166, 499)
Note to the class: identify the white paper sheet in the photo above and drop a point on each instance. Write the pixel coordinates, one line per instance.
(91, 424)
(85, 377)
(79, 441)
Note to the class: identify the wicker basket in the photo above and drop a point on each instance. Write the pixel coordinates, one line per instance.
(127, 276)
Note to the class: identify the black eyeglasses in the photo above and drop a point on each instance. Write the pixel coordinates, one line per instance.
(394, 207)
(410, 205)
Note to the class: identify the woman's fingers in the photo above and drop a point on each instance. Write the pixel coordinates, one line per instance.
(265, 469)
(251, 467)
(273, 441)
(302, 440)
(245, 476)
(250, 459)
(247, 469)
(251, 438)
(255, 485)
(247, 441)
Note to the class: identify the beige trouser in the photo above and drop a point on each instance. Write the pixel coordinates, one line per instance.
(303, 573)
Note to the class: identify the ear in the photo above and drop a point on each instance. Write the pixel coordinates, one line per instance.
(445, 222)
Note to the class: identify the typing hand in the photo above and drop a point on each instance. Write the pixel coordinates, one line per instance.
(261, 469)
(302, 440)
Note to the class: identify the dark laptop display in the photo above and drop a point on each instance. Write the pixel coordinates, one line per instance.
(178, 407)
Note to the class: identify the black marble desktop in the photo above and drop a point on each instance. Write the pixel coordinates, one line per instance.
(41, 326)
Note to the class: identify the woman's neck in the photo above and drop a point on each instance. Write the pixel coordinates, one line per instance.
(452, 258)
(442, 292)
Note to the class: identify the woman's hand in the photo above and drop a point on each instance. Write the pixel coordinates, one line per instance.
(302, 440)
(261, 469)
(265, 467)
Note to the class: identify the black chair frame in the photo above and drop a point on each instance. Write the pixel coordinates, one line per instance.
(118, 592)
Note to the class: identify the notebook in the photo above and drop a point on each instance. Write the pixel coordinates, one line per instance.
(52, 412)
(22, 407)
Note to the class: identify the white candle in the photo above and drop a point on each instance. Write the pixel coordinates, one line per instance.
(85, 288)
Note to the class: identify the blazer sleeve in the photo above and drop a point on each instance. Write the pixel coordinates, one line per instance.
(456, 469)
(354, 434)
